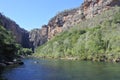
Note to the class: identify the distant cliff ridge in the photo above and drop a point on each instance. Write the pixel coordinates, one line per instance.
(21, 35)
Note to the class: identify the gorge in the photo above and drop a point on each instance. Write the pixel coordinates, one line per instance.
(63, 21)
(90, 32)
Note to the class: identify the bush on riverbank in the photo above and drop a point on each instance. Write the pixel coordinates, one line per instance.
(24, 51)
(96, 39)
(8, 47)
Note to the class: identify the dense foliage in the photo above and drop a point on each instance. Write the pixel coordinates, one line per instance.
(95, 39)
(9, 49)
(7, 45)
(24, 51)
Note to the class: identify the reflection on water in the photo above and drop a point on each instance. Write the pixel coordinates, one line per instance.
(63, 70)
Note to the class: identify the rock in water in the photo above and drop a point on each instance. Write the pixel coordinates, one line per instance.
(36, 62)
(20, 63)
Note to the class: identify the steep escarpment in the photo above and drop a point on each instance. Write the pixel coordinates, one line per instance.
(99, 42)
(21, 35)
(63, 21)
(94, 37)
(27, 39)
(92, 7)
(38, 36)
(69, 18)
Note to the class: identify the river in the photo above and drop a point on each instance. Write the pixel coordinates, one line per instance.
(47, 69)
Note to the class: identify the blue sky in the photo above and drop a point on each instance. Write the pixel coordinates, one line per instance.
(31, 14)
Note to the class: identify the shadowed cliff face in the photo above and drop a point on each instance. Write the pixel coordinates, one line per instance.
(21, 35)
(27, 39)
(38, 36)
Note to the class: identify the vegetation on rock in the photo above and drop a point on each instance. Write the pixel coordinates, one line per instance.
(7, 45)
(24, 51)
(9, 49)
(96, 39)
(21, 35)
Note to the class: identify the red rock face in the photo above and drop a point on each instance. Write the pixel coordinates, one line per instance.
(93, 7)
(67, 19)
(62, 21)
(54, 32)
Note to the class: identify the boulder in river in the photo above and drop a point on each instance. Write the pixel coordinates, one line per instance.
(36, 62)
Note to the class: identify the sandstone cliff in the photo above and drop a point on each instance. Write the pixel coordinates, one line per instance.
(21, 35)
(69, 18)
(62, 21)
(38, 36)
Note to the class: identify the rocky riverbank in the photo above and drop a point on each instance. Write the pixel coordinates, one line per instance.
(14, 62)
(5, 64)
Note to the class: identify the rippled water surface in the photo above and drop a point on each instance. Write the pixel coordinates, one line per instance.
(63, 70)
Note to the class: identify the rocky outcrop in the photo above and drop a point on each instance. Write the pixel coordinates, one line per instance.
(38, 36)
(92, 7)
(64, 21)
(21, 35)
(69, 18)
(31, 39)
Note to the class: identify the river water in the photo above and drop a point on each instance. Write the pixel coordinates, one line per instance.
(63, 70)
